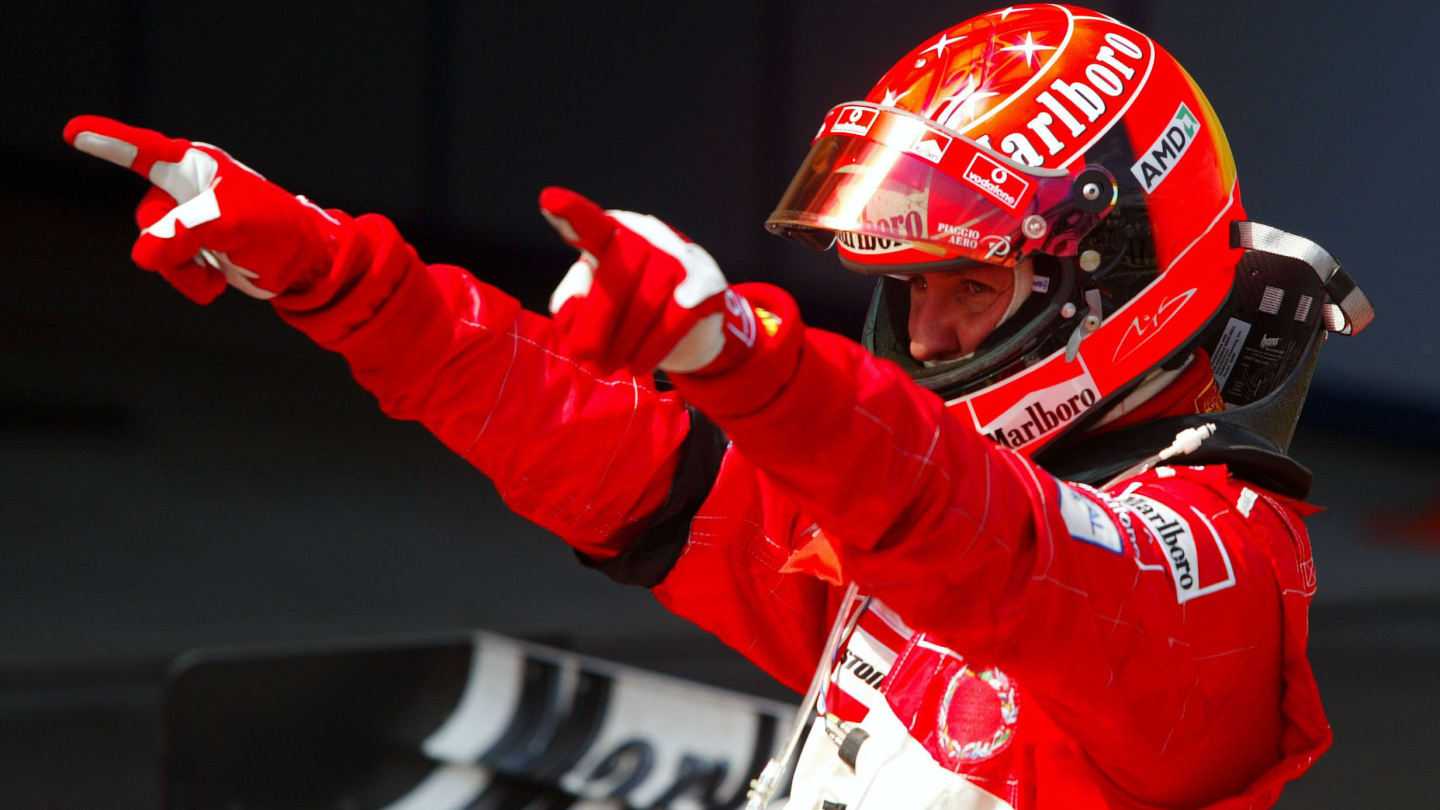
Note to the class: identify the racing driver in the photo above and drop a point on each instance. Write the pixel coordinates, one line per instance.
(1036, 544)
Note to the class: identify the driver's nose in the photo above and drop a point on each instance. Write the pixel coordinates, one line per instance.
(933, 335)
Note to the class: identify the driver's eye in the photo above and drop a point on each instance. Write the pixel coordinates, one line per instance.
(977, 287)
(918, 284)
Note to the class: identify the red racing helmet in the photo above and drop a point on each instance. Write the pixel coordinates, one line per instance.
(1049, 133)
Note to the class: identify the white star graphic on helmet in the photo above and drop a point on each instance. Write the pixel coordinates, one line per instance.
(1007, 11)
(941, 44)
(891, 97)
(961, 107)
(1029, 47)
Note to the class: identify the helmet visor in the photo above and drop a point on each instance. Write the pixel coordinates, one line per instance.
(880, 176)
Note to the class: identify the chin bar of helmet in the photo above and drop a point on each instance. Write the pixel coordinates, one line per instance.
(1349, 311)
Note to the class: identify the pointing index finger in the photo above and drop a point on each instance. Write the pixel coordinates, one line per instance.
(130, 147)
(580, 222)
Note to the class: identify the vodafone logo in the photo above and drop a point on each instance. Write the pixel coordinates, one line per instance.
(993, 178)
(854, 121)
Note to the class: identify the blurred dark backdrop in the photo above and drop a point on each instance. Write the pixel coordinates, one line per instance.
(177, 476)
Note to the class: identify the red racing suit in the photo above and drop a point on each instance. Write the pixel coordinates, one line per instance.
(1029, 643)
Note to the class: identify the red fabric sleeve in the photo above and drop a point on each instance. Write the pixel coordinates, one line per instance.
(986, 553)
(881, 465)
(584, 456)
(730, 579)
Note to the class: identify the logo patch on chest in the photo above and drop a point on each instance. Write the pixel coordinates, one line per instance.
(1198, 561)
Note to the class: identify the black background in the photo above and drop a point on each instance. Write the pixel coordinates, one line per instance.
(176, 476)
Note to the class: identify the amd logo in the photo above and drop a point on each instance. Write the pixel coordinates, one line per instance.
(1156, 162)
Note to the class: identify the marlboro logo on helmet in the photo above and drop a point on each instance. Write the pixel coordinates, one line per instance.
(1053, 139)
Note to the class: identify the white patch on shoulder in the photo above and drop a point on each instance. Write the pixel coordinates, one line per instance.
(1247, 500)
(1087, 521)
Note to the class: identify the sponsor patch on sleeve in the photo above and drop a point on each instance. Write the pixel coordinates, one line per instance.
(1088, 521)
(1198, 561)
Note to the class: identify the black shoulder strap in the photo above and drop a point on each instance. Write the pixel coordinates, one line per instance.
(1250, 456)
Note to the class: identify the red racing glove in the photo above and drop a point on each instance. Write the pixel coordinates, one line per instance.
(210, 220)
(642, 296)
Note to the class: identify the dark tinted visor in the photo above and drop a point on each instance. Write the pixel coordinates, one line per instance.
(883, 173)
